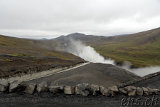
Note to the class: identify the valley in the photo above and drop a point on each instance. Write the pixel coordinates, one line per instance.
(141, 49)
(79, 60)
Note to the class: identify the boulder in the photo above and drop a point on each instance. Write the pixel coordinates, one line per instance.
(106, 92)
(77, 90)
(151, 91)
(30, 88)
(156, 91)
(2, 88)
(14, 86)
(56, 89)
(42, 87)
(82, 89)
(131, 90)
(101, 89)
(139, 91)
(113, 90)
(94, 89)
(123, 91)
(69, 90)
(85, 93)
(4, 83)
(83, 85)
(132, 93)
(145, 90)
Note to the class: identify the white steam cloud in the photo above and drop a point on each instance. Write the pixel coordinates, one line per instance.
(146, 70)
(86, 52)
(141, 71)
(89, 54)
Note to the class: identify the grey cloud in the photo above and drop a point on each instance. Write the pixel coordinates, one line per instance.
(51, 18)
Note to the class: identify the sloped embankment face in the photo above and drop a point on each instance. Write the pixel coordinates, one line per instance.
(22, 56)
(94, 73)
(152, 81)
(20, 65)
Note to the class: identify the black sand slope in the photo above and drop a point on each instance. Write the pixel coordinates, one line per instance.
(94, 73)
(153, 82)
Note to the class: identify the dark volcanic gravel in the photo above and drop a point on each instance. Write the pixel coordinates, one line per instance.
(153, 82)
(94, 73)
(60, 100)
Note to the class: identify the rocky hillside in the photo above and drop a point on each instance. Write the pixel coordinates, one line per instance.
(142, 49)
(26, 56)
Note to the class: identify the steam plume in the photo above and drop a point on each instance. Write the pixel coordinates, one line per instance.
(86, 52)
(89, 54)
(141, 71)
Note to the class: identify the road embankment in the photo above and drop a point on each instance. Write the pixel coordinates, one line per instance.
(37, 75)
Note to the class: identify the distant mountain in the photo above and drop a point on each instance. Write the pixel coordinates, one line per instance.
(141, 37)
(142, 49)
(88, 39)
(39, 48)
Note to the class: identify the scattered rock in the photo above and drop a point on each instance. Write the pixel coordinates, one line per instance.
(2, 88)
(30, 88)
(145, 90)
(42, 87)
(85, 93)
(113, 90)
(82, 89)
(101, 88)
(106, 92)
(156, 91)
(139, 91)
(131, 90)
(94, 89)
(123, 91)
(132, 93)
(56, 89)
(4, 83)
(150, 91)
(14, 86)
(69, 90)
(77, 90)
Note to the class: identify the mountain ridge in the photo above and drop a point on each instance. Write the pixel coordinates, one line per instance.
(141, 49)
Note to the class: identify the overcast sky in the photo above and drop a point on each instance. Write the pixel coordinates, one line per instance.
(52, 18)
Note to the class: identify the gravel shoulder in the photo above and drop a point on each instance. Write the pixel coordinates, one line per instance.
(60, 100)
